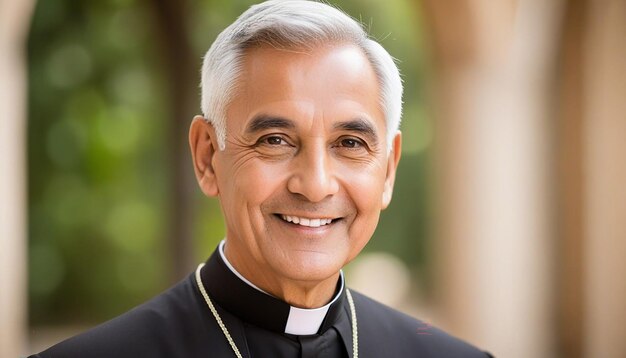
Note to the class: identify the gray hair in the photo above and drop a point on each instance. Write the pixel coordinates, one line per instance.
(291, 24)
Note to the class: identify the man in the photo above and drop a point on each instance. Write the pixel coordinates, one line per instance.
(299, 142)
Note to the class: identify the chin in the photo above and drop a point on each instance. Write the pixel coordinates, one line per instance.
(310, 266)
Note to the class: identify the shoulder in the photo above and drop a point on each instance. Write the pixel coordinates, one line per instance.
(388, 332)
(155, 328)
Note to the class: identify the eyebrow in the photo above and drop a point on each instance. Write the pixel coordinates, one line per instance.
(359, 125)
(263, 121)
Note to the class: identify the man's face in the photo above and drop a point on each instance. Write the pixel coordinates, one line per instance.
(306, 171)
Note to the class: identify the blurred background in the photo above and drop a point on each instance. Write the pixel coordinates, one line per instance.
(507, 227)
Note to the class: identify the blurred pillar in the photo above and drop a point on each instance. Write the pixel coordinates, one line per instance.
(605, 179)
(14, 21)
(569, 146)
(493, 76)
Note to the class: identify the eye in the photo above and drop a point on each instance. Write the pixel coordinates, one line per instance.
(273, 140)
(351, 143)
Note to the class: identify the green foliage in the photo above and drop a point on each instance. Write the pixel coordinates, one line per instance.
(98, 178)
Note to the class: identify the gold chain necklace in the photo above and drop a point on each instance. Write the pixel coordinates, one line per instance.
(355, 332)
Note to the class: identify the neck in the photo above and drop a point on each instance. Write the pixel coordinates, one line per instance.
(297, 293)
(306, 295)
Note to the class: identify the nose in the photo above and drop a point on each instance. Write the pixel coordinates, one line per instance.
(313, 176)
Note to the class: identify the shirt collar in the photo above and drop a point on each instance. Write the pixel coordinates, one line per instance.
(241, 297)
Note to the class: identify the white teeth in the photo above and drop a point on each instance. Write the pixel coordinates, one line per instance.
(306, 221)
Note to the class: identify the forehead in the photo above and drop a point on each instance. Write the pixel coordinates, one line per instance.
(332, 83)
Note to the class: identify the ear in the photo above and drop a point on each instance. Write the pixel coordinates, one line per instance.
(392, 165)
(203, 144)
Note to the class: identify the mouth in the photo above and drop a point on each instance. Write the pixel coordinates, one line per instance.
(307, 222)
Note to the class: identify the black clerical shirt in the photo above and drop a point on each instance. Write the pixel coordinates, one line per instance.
(178, 323)
(267, 322)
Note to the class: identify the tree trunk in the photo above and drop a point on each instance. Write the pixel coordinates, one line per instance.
(181, 72)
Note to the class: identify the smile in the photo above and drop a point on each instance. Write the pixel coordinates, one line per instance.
(306, 221)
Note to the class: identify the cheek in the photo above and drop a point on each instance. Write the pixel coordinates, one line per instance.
(366, 189)
(253, 184)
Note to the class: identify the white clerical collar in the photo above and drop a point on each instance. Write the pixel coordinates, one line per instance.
(301, 321)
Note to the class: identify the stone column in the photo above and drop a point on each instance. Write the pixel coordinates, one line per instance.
(493, 76)
(14, 21)
(604, 169)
